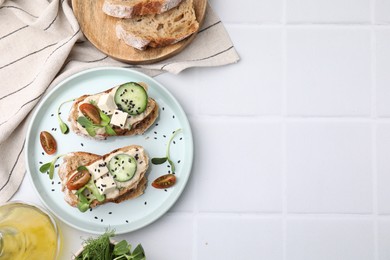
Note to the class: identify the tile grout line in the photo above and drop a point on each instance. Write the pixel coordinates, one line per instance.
(283, 130)
(374, 131)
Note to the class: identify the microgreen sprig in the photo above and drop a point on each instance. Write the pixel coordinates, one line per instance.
(100, 248)
(161, 160)
(50, 166)
(91, 127)
(64, 127)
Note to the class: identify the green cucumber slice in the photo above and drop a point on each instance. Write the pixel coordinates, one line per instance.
(122, 167)
(131, 97)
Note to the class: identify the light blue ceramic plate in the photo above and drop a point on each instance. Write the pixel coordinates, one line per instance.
(132, 214)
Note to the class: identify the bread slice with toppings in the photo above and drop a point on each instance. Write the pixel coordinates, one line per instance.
(120, 191)
(159, 30)
(131, 8)
(122, 120)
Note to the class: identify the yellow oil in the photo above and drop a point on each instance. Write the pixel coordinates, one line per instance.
(28, 233)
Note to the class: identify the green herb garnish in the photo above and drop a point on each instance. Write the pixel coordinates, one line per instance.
(64, 127)
(91, 128)
(50, 166)
(100, 248)
(161, 160)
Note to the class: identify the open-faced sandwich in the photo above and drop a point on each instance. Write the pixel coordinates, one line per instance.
(89, 179)
(122, 110)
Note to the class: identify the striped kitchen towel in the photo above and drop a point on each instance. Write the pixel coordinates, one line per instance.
(41, 44)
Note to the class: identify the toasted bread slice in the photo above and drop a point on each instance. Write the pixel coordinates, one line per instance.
(159, 30)
(139, 123)
(131, 8)
(126, 190)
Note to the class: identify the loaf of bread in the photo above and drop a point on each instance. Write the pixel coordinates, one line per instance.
(131, 8)
(158, 30)
(123, 191)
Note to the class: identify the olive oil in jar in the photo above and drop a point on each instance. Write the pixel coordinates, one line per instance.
(26, 232)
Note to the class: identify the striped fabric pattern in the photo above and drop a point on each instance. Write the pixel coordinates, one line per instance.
(41, 44)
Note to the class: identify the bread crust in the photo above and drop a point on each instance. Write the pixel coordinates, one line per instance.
(129, 9)
(152, 111)
(73, 160)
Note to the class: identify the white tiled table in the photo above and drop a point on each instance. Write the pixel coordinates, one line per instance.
(292, 147)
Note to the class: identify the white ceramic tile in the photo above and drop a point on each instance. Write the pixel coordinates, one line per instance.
(184, 87)
(382, 8)
(260, 11)
(241, 170)
(236, 238)
(329, 167)
(250, 87)
(169, 238)
(328, 11)
(383, 167)
(324, 239)
(382, 40)
(328, 72)
(383, 239)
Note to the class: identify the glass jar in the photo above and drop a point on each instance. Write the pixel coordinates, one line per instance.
(27, 232)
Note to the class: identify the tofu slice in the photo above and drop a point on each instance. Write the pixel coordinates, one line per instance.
(107, 104)
(119, 118)
(105, 184)
(97, 169)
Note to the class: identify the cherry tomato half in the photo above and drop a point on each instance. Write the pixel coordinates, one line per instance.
(78, 180)
(91, 112)
(165, 181)
(48, 142)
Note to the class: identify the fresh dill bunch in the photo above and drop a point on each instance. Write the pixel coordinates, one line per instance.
(97, 248)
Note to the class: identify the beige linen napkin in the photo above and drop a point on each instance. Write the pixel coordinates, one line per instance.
(41, 44)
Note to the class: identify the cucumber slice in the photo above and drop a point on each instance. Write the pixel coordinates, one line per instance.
(131, 97)
(122, 167)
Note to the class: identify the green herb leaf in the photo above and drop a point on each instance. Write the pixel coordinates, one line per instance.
(82, 168)
(84, 122)
(109, 130)
(138, 253)
(105, 118)
(51, 171)
(157, 160)
(122, 248)
(64, 127)
(44, 168)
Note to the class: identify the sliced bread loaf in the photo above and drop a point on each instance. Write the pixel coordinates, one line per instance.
(159, 30)
(131, 8)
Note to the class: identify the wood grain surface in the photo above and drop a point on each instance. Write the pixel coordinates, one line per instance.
(99, 29)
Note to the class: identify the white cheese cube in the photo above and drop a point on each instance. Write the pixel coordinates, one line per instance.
(119, 118)
(97, 169)
(105, 184)
(107, 104)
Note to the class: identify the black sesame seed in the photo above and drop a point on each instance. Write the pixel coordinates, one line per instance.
(52, 189)
(82, 144)
(59, 182)
(155, 138)
(101, 220)
(52, 183)
(96, 217)
(127, 221)
(40, 162)
(173, 116)
(110, 212)
(146, 203)
(52, 115)
(43, 153)
(163, 108)
(164, 136)
(174, 142)
(165, 190)
(59, 113)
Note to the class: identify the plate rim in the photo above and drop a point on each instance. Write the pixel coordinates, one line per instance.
(170, 200)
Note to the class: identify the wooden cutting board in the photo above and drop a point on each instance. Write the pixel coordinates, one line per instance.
(99, 29)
